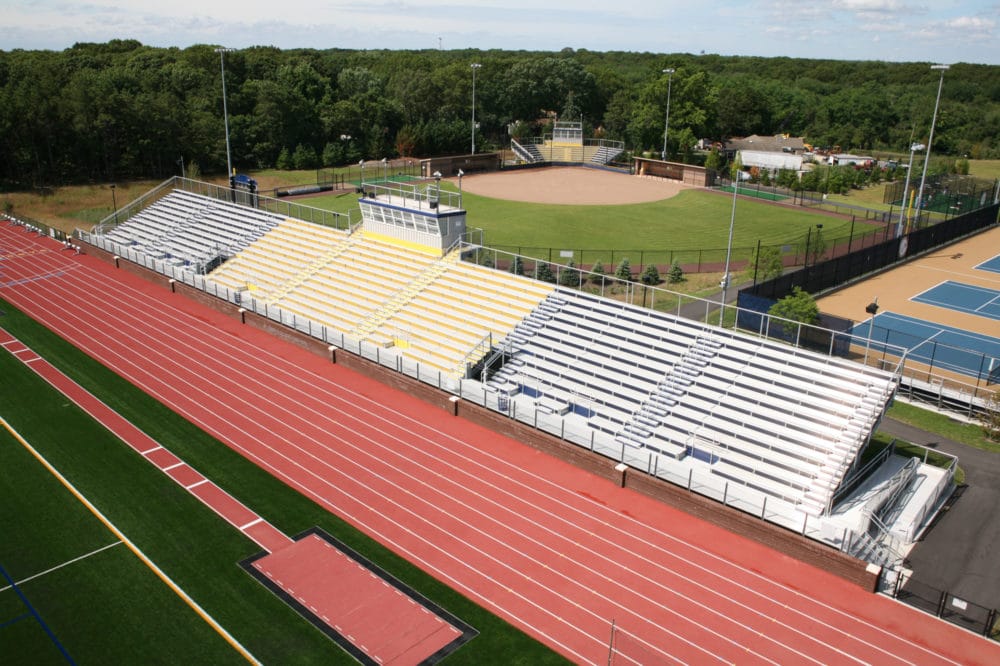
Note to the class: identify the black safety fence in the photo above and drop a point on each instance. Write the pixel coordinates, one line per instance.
(906, 587)
(839, 270)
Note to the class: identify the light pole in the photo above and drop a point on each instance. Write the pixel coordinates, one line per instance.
(475, 66)
(222, 51)
(872, 309)
(460, 174)
(930, 139)
(729, 252)
(114, 202)
(666, 126)
(914, 147)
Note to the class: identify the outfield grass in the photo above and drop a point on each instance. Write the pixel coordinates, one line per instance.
(692, 222)
(195, 547)
(985, 169)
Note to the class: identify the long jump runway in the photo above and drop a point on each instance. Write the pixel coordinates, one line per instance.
(548, 547)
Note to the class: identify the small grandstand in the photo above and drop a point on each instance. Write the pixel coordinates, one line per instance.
(566, 145)
(767, 427)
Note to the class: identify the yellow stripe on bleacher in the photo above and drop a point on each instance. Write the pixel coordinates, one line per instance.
(410, 245)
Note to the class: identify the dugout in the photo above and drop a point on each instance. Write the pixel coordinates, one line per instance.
(688, 174)
(449, 165)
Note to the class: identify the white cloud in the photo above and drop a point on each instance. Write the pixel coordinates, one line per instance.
(832, 28)
(869, 5)
(971, 23)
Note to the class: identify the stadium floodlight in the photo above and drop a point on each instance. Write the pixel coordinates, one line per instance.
(222, 51)
(872, 309)
(475, 66)
(729, 253)
(930, 139)
(914, 147)
(666, 127)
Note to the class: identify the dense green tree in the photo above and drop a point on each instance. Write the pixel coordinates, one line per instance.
(100, 112)
(798, 306)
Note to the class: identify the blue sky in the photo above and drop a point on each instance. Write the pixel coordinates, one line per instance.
(893, 30)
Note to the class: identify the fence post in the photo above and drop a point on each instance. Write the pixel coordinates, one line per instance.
(941, 603)
(991, 618)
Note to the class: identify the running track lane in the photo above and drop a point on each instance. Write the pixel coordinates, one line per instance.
(312, 568)
(544, 545)
(222, 503)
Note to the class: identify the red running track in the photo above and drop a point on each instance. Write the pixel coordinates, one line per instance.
(548, 547)
(362, 607)
(222, 503)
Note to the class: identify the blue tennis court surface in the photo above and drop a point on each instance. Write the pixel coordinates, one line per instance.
(966, 298)
(992, 265)
(941, 346)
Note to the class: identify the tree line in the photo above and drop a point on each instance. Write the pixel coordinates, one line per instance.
(103, 112)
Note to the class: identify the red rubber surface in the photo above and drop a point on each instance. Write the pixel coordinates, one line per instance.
(544, 545)
(383, 622)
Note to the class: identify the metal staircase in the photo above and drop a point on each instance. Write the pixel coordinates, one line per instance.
(384, 312)
(316, 266)
(667, 393)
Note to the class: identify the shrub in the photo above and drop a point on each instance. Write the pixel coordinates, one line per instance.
(676, 273)
(650, 275)
(624, 270)
(570, 275)
(544, 273)
(598, 273)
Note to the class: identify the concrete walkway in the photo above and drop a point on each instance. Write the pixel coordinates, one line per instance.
(960, 552)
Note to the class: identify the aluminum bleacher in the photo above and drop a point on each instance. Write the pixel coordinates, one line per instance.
(190, 230)
(784, 421)
(278, 257)
(606, 154)
(353, 283)
(445, 320)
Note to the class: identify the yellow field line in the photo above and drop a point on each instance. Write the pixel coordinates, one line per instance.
(131, 546)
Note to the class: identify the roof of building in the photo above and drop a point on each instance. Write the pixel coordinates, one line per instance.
(772, 144)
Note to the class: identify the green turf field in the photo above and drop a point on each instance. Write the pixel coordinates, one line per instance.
(187, 540)
(691, 228)
(106, 608)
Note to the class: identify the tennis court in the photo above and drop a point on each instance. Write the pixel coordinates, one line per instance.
(937, 345)
(992, 265)
(967, 298)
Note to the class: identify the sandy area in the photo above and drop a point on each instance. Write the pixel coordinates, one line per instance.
(571, 185)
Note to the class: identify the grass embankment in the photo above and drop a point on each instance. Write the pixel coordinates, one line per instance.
(970, 434)
(196, 548)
